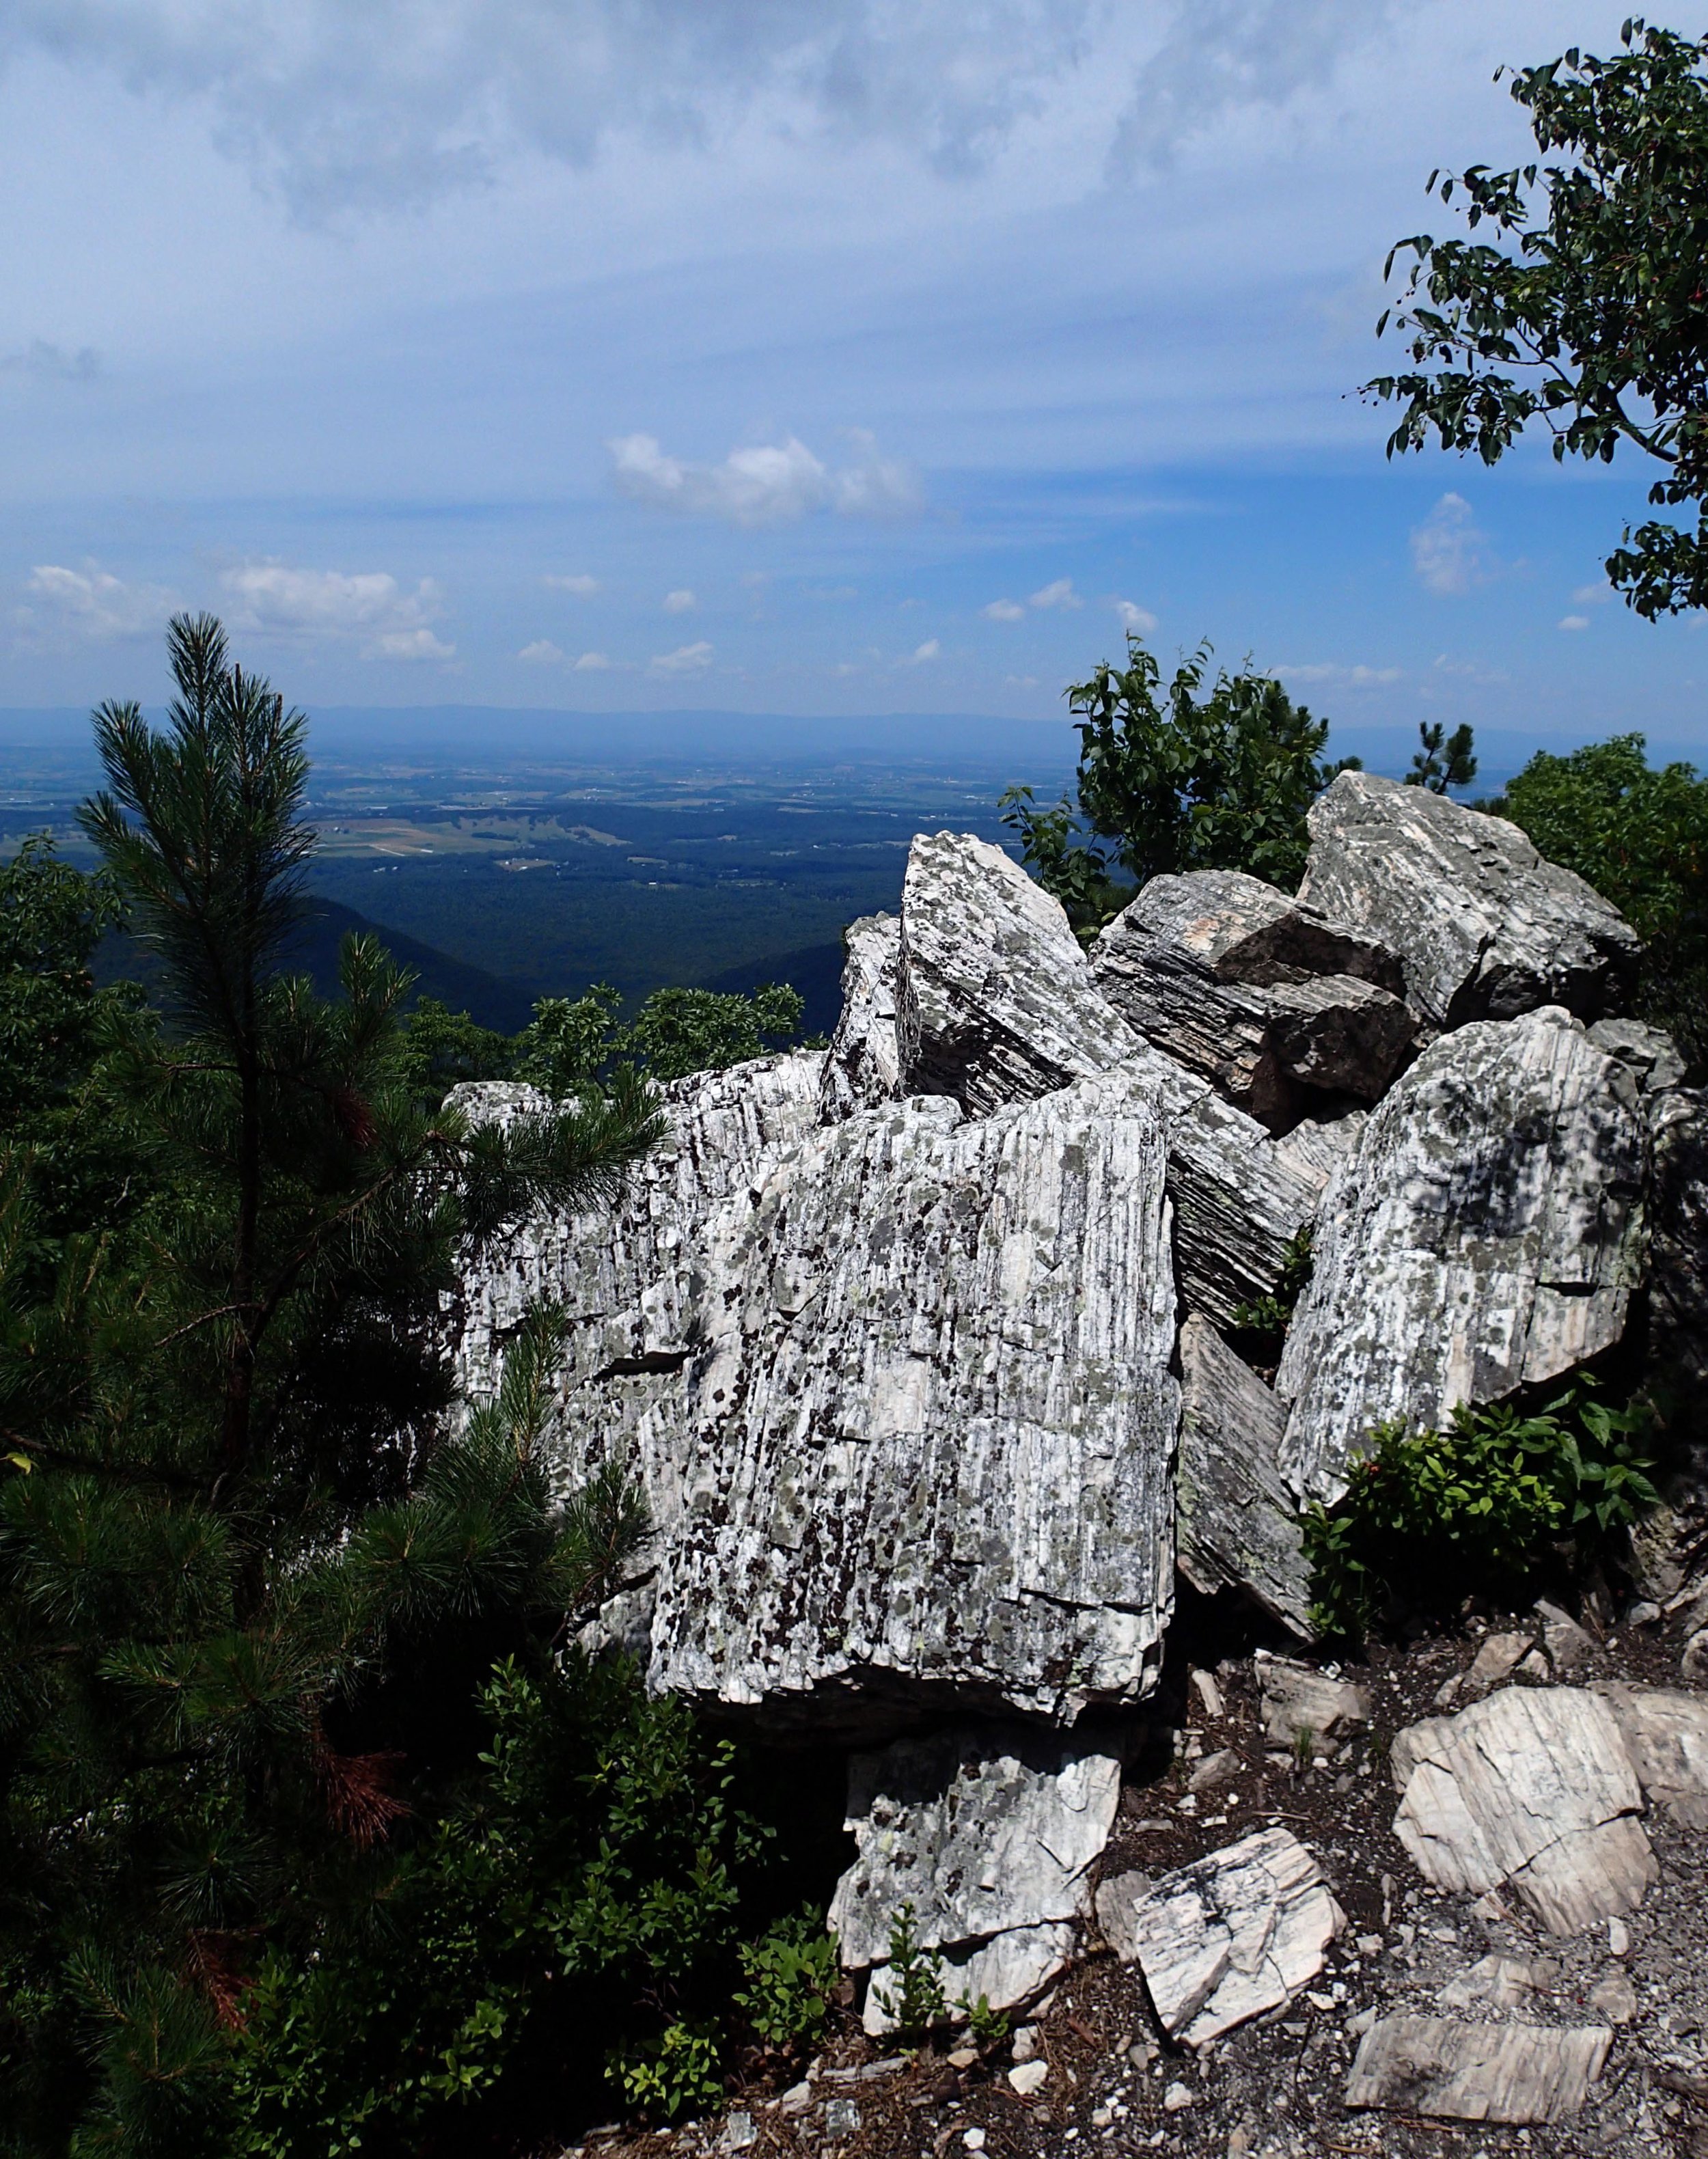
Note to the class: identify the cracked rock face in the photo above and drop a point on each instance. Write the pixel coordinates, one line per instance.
(1483, 927)
(931, 1418)
(1487, 1235)
(1234, 1935)
(862, 1068)
(1230, 978)
(990, 1833)
(1457, 2072)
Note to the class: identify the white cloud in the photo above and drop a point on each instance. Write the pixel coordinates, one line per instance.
(1060, 594)
(581, 585)
(931, 650)
(681, 602)
(92, 604)
(1020, 682)
(1574, 622)
(594, 662)
(369, 606)
(1447, 550)
(685, 659)
(542, 653)
(1003, 611)
(1139, 620)
(1592, 596)
(775, 483)
(1341, 677)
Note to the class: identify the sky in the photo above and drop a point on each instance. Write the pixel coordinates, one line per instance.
(876, 356)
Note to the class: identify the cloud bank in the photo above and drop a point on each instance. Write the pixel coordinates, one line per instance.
(369, 607)
(768, 484)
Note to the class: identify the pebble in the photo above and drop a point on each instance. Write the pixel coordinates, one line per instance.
(739, 2132)
(841, 2117)
(973, 2138)
(1615, 1998)
(1618, 1938)
(1176, 2098)
(1025, 2046)
(1028, 2077)
(797, 2098)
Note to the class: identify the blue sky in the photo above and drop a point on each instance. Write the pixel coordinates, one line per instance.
(623, 354)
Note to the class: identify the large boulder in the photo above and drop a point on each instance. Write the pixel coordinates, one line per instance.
(862, 1068)
(1484, 928)
(1236, 981)
(1487, 1235)
(933, 1419)
(997, 1003)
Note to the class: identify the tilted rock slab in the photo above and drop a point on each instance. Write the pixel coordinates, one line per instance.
(933, 1418)
(1484, 928)
(1231, 978)
(1236, 1526)
(1665, 1733)
(1487, 1235)
(1296, 1698)
(990, 1833)
(627, 1277)
(1234, 1935)
(1532, 1788)
(1455, 2072)
(862, 1067)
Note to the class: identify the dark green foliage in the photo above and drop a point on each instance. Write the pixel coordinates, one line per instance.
(1171, 781)
(912, 1980)
(791, 1974)
(1445, 760)
(1588, 311)
(1640, 837)
(1267, 1318)
(441, 1049)
(1482, 1508)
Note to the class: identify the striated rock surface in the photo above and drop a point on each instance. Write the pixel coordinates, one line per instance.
(1483, 927)
(1665, 1733)
(990, 1834)
(1487, 1235)
(1233, 1934)
(1297, 1698)
(1455, 2072)
(862, 1067)
(1230, 978)
(1532, 1787)
(933, 1418)
(997, 1003)
(1235, 1525)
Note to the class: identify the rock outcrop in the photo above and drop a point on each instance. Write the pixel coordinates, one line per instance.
(1232, 980)
(1483, 927)
(862, 1068)
(1487, 1235)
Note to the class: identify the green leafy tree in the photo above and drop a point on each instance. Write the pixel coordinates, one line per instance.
(1585, 309)
(1445, 760)
(1639, 835)
(1170, 780)
(575, 1045)
(441, 1048)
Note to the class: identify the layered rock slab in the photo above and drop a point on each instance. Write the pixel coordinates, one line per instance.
(1457, 2072)
(1483, 927)
(990, 1835)
(862, 1066)
(1487, 1235)
(933, 1418)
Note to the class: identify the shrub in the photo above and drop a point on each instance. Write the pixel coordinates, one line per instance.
(912, 1980)
(791, 1973)
(1430, 1516)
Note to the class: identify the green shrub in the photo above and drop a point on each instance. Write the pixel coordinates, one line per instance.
(791, 1973)
(912, 1980)
(1267, 1318)
(1430, 1516)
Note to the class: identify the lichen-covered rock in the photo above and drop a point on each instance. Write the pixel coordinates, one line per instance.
(933, 1419)
(1487, 1235)
(1236, 1525)
(987, 1833)
(1484, 928)
(1232, 980)
(862, 1067)
(997, 1004)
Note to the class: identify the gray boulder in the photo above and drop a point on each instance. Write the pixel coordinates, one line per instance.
(997, 1003)
(1235, 982)
(1484, 928)
(1236, 1526)
(1487, 1235)
(932, 1420)
(862, 1068)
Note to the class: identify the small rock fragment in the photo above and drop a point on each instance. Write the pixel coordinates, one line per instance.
(1507, 2073)
(1694, 1663)
(841, 2117)
(1024, 2047)
(1493, 1663)
(1215, 1769)
(1208, 1693)
(973, 2139)
(1299, 1698)
(1534, 1668)
(963, 2057)
(1614, 1998)
(1618, 1938)
(1501, 1982)
(1568, 1647)
(797, 2098)
(1176, 2098)
(739, 2132)
(1028, 2077)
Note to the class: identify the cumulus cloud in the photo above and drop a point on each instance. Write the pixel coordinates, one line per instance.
(542, 653)
(91, 604)
(1332, 671)
(1134, 618)
(769, 483)
(681, 602)
(1592, 596)
(1448, 552)
(1003, 611)
(594, 662)
(369, 606)
(582, 587)
(685, 659)
(931, 650)
(1574, 622)
(1060, 594)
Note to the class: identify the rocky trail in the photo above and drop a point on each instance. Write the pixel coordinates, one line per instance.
(934, 1353)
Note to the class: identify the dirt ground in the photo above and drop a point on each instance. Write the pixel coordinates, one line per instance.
(1273, 2090)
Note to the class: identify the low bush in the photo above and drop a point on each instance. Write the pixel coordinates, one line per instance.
(1485, 1506)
